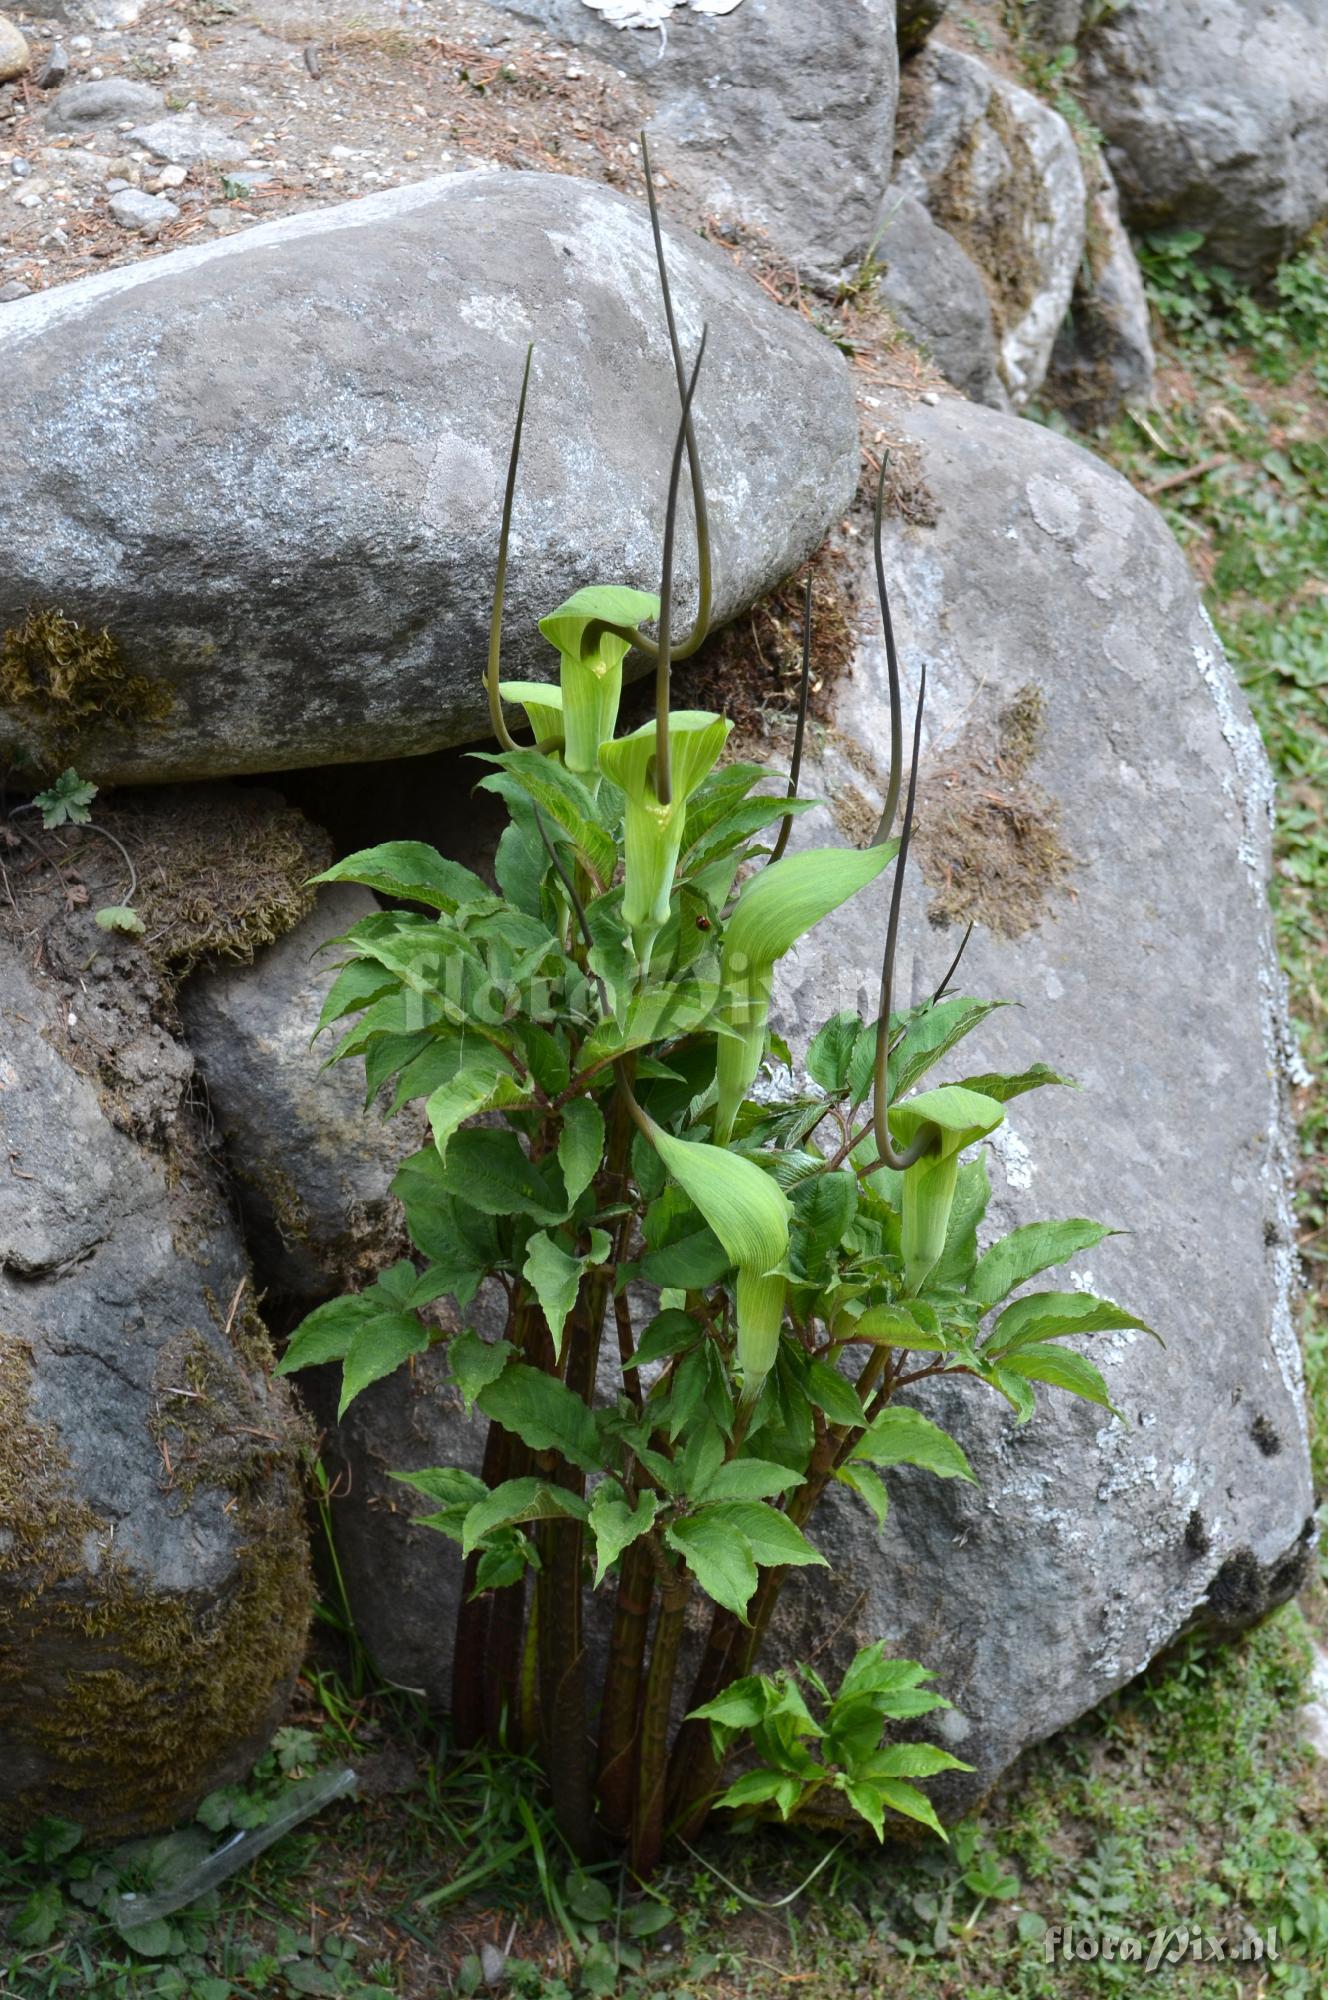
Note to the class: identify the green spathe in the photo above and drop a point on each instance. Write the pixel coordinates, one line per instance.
(543, 703)
(954, 1117)
(653, 832)
(750, 1216)
(593, 633)
(774, 910)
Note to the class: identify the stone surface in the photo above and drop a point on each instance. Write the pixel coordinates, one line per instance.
(1054, 23)
(1103, 357)
(1216, 119)
(15, 54)
(148, 213)
(103, 101)
(781, 116)
(1149, 975)
(55, 68)
(154, 1592)
(914, 21)
(310, 1164)
(1151, 978)
(310, 428)
(999, 171)
(188, 140)
(1313, 1714)
(403, 1581)
(937, 294)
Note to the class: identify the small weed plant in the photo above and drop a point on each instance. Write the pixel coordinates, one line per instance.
(715, 1302)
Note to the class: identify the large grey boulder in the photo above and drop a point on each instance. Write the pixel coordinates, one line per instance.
(937, 294)
(1126, 846)
(1103, 358)
(403, 1581)
(273, 465)
(914, 21)
(1094, 790)
(1216, 119)
(999, 172)
(154, 1593)
(781, 116)
(310, 1163)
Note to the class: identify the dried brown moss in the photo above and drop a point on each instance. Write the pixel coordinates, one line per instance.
(752, 669)
(221, 873)
(988, 838)
(995, 225)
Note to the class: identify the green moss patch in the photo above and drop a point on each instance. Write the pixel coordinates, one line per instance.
(117, 1703)
(61, 677)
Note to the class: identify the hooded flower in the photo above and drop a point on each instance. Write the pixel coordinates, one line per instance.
(654, 831)
(593, 635)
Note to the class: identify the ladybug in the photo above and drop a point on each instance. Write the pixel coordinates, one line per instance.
(703, 923)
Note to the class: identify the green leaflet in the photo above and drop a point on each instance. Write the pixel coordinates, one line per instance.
(1024, 1252)
(486, 1169)
(592, 633)
(653, 832)
(517, 1501)
(750, 1216)
(356, 985)
(556, 1277)
(773, 911)
(379, 1347)
(580, 1145)
(543, 703)
(487, 1083)
(955, 1117)
(834, 1395)
(544, 1413)
(615, 1525)
(1042, 1315)
(892, 1326)
(560, 795)
(869, 1487)
(411, 870)
(1003, 1088)
(721, 1561)
(773, 1539)
(831, 1051)
(931, 1034)
(474, 1363)
(370, 1332)
(902, 1436)
(1061, 1368)
(455, 1490)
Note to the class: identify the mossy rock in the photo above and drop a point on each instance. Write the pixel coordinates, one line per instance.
(999, 172)
(154, 1588)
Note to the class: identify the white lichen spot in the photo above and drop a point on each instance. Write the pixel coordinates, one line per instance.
(1054, 506)
(1015, 1158)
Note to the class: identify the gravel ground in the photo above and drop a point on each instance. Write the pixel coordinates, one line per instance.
(264, 108)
